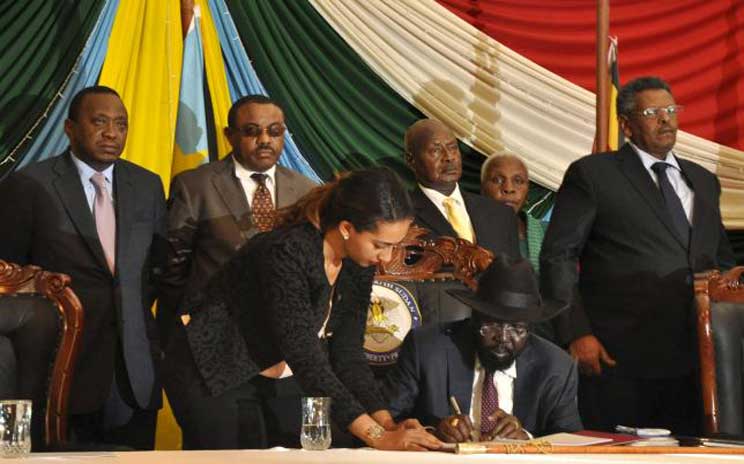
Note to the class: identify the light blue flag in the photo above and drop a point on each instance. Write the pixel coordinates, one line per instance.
(191, 148)
(243, 80)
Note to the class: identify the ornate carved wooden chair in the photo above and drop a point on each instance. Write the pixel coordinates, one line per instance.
(410, 290)
(720, 325)
(43, 319)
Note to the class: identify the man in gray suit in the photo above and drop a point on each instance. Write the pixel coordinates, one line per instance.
(101, 220)
(507, 381)
(214, 209)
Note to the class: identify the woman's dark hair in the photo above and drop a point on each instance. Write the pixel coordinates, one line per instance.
(361, 197)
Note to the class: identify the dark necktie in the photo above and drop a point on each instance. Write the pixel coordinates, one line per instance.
(672, 201)
(489, 403)
(262, 206)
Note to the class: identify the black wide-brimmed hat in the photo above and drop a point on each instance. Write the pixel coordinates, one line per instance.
(508, 291)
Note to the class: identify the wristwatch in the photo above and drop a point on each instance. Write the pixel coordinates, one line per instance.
(375, 432)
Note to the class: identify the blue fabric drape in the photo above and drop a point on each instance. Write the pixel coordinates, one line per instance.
(243, 80)
(51, 139)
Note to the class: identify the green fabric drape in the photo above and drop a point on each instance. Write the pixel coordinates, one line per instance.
(342, 115)
(40, 42)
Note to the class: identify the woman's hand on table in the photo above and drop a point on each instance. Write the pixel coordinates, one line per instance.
(404, 439)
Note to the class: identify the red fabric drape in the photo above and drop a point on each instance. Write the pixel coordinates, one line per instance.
(696, 45)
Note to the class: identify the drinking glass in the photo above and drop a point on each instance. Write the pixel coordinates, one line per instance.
(316, 423)
(15, 428)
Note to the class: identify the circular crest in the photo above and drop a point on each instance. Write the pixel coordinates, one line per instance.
(392, 313)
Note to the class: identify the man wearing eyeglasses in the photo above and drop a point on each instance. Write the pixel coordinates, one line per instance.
(629, 230)
(488, 377)
(214, 209)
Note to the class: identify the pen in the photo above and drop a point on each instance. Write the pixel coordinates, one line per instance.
(455, 406)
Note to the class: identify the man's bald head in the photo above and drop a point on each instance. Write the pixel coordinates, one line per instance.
(419, 133)
(433, 155)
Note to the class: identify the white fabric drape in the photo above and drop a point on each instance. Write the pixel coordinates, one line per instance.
(492, 97)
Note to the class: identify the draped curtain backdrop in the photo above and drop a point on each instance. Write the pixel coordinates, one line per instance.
(493, 97)
(696, 45)
(40, 42)
(342, 115)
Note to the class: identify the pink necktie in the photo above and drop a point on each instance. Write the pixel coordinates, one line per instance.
(103, 211)
(489, 403)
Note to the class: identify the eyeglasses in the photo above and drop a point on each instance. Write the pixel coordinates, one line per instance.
(518, 329)
(274, 130)
(654, 111)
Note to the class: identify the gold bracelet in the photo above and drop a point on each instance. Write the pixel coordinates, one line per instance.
(375, 432)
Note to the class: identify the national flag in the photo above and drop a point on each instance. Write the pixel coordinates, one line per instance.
(615, 138)
(191, 148)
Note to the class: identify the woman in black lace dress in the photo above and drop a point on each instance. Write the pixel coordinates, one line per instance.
(287, 313)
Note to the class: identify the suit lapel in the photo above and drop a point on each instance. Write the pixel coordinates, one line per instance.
(429, 216)
(699, 206)
(477, 219)
(523, 383)
(639, 178)
(126, 200)
(232, 194)
(285, 189)
(460, 366)
(70, 191)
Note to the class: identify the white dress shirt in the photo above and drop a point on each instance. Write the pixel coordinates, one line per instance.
(438, 199)
(86, 172)
(676, 178)
(503, 380)
(249, 184)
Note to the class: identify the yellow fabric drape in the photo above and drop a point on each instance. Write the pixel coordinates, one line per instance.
(216, 77)
(493, 98)
(143, 64)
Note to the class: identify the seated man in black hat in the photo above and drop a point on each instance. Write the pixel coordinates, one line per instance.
(507, 382)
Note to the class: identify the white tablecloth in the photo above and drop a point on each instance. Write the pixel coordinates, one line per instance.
(351, 456)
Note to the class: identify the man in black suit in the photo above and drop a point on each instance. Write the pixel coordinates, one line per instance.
(434, 157)
(490, 364)
(101, 220)
(628, 231)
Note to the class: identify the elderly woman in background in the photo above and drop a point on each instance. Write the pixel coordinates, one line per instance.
(504, 178)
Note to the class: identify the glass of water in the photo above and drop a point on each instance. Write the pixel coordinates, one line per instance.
(316, 423)
(15, 428)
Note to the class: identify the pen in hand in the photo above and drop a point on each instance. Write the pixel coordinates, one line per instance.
(456, 409)
(455, 406)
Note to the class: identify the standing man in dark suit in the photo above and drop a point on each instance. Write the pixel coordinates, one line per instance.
(434, 157)
(214, 209)
(507, 381)
(628, 231)
(100, 219)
